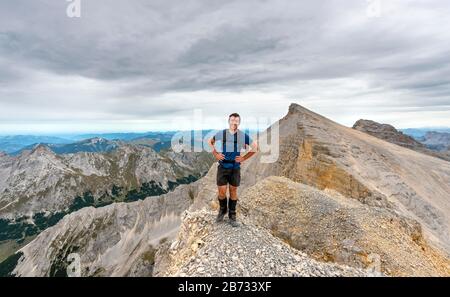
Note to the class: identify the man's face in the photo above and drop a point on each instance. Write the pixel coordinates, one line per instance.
(234, 122)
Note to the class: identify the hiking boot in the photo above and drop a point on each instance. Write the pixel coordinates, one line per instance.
(222, 209)
(232, 212)
(233, 221)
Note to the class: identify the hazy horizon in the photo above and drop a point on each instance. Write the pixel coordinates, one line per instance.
(81, 133)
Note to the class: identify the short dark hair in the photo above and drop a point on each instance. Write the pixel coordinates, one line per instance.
(236, 115)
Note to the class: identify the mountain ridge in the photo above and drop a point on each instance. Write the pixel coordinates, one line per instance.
(322, 153)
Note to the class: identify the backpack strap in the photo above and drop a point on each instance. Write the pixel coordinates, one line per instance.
(235, 141)
(224, 140)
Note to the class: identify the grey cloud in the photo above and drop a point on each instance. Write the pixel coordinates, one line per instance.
(139, 51)
(229, 45)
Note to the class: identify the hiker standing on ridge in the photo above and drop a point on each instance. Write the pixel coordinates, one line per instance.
(229, 170)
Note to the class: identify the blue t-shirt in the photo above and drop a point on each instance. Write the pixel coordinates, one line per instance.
(232, 147)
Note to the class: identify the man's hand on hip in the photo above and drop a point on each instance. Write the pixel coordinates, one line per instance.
(218, 156)
(240, 159)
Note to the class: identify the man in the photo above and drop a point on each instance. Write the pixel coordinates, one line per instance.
(232, 141)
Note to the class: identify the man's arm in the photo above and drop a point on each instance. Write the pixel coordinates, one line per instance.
(253, 150)
(217, 155)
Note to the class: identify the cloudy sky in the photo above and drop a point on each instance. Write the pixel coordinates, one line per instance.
(148, 64)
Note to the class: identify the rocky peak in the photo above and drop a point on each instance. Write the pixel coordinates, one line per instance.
(95, 140)
(386, 132)
(431, 144)
(41, 149)
(297, 108)
(370, 125)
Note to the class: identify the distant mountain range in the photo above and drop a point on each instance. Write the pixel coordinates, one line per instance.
(105, 142)
(420, 132)
(93, 142)
(14, 143)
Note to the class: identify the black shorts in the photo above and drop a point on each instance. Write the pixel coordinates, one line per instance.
(230, 176)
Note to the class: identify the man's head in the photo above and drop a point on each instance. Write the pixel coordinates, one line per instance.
(234, 120)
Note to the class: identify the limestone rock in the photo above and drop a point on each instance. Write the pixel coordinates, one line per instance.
(329, 227)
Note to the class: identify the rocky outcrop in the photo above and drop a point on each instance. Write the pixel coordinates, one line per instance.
(388, 133)
(329, 227)
(204, 248)
(392, 135)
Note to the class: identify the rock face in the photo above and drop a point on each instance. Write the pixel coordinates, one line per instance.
(330, 227)
(392, 135)
(388, 133)
(116, 240)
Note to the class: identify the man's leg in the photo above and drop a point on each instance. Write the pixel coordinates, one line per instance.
(222, 196)
(222, 192)
(232, 206)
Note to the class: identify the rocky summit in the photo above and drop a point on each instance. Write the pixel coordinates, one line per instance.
(204, 248)
(335, 202)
